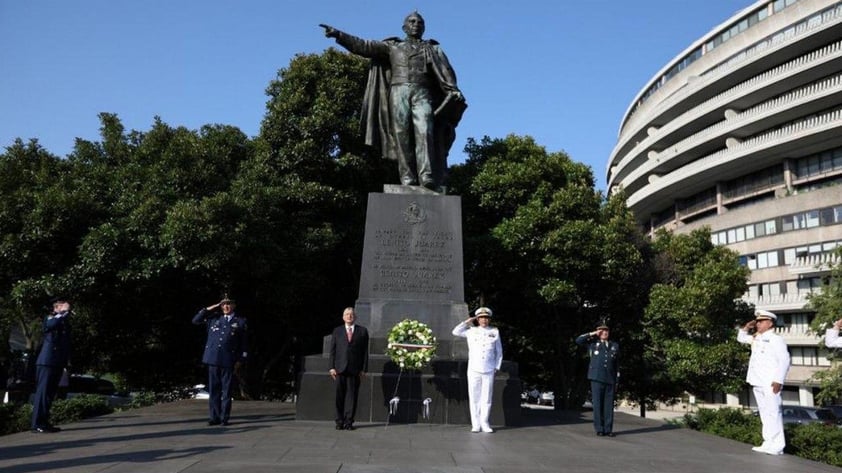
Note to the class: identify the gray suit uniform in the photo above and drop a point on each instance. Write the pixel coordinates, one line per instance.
(603, 371)
(53, 358)
(349, 359)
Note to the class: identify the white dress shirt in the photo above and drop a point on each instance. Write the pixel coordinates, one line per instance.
(769, 360)
(485, 351)
(831, 338)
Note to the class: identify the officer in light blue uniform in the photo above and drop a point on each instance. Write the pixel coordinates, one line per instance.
(52, 360)
(603, 372)
(225, 351)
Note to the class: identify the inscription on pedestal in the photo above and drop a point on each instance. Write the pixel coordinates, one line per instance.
(412, 249)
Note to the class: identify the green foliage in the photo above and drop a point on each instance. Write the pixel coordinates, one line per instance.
(141, 399)
(731, 423)
(18, 417)
(830, 384)
(828, 306)
(15, 418)
(78, 408)
(816, 442)
(563, 258)
(688, 327)
(141, 228)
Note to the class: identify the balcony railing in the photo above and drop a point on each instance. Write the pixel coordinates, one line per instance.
(814, 264)
(778, 301)
(823, 122)
(764, 47)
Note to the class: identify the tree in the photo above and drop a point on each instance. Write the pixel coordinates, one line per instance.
(828, 306)
(143, 227)
(688, 327)
(42, 222)
(546, 252)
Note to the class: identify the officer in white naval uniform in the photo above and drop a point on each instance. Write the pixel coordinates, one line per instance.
(767, 370)
(831, 337)
(485, 355)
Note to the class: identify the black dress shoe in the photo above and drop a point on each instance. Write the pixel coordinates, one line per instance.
(599, 434)
(213, 422)
(225, 422)
(350, 427)
(339, 427)
(610, 434)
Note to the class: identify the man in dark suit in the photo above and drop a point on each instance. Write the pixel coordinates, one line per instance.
(225, 351)
(348, 365)
(603, 374)
(51, 363)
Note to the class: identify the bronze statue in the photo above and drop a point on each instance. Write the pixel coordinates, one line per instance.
(411, 105)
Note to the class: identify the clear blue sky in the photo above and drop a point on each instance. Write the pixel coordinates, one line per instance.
(561, 71)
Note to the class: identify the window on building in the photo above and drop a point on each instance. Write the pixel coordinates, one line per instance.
(789, 256)
(811, 219)
(749, 232)
(809, 285)
(770, 289)
(804, 356)
(766, 259)
(787, 223)
(824, 357)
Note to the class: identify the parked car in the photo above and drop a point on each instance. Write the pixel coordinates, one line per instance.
(836, 408)
(531, 396)
(809, 415)
(86, 384)
(547, 398)
(77, 384)
(200, 392)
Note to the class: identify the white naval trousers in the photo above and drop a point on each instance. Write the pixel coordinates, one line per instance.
(480, 391)
(769, 408)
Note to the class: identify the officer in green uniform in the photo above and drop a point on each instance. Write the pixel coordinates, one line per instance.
(603, 374)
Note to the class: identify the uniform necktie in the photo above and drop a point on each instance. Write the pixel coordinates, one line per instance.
(349, 332)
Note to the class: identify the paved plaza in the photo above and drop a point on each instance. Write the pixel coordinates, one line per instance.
(265, 437)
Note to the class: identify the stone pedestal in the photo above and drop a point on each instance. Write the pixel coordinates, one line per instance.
(444, 382)
(411, 269)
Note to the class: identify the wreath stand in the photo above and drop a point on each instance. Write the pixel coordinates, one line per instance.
(395, 400)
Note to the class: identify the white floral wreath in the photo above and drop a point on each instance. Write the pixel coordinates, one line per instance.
(411, 344)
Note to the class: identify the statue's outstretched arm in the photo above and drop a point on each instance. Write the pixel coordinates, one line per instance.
(330, 31)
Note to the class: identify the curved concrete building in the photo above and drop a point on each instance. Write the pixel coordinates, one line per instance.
(742, 133)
